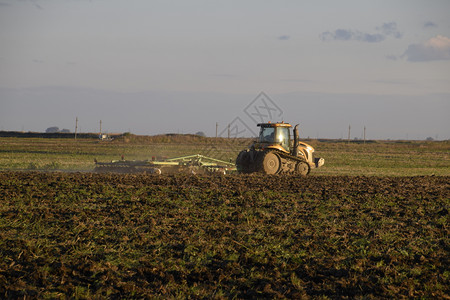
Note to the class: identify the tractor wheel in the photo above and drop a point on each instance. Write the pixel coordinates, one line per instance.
(302, 168)
(270, 163)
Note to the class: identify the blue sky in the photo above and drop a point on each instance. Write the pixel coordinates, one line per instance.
(212, 58)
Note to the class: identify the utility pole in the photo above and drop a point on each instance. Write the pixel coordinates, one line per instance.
(348, 140)
(100, 128)
(217, 126)
(228, 130)
(364, 135)
(76, 127)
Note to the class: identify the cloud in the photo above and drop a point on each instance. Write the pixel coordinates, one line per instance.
(284, 37)
(348, 35)
(342, 34)
(392, 57)
(390, 29)
(339, 34)
(4, 4)
(369, 38)
(429, 24)
(436, 48)
(387, 29)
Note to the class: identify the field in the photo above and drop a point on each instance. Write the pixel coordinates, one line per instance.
(375, 158)
(359, 228)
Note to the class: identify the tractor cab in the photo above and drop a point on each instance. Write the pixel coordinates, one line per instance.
(275, 135)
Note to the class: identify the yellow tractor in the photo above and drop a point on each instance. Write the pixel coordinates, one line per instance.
(275, 152)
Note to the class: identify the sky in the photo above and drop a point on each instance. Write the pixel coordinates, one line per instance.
(153, 67)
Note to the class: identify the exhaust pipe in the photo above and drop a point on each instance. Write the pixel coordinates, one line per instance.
(295, 148)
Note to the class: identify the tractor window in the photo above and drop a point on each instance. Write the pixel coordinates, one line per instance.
(267, 135)
(283, 137)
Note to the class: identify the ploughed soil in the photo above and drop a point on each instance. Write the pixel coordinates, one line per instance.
(86, 235)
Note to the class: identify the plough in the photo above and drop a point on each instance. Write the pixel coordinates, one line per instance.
(190, 164)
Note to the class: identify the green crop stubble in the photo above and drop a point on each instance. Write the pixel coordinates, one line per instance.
(385, 158)
(375, 158)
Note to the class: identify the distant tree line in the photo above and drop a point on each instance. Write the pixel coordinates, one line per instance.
(55, 129)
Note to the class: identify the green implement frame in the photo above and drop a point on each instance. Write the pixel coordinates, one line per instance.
(196, 163)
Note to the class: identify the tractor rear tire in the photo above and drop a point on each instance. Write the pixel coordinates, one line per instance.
(302, 168)
(269, 163)
(242, 162)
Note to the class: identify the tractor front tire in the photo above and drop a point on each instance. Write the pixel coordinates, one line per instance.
(302, 168)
